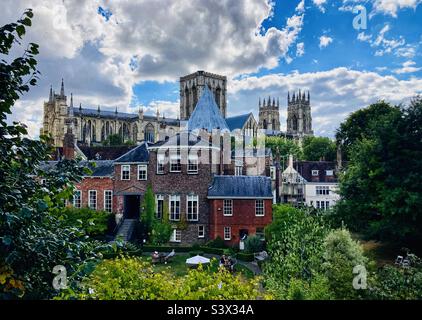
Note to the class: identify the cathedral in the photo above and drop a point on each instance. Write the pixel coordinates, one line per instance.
(92, 126)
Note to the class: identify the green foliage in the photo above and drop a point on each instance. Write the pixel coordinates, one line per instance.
(32, 239)
(134, 279)
(245, 256)
(218, 242)
(253, 244)
(341, 255)
(113, 140)
(398, 283)
(148, 211)
(381, 189)
(93, 222)
(152, 248)
(295, 244)
(317, 148)
(283, 146)
(317, 289)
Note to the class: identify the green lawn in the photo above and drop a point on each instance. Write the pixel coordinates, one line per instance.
(178, 266)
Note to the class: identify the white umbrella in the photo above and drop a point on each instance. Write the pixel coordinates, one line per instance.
(196, 260)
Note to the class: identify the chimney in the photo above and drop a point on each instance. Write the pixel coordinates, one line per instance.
(290, 160)
(69, 145)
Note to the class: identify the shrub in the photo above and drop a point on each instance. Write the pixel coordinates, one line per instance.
(196, 253)
(94, 223)
(341, 255)
(134, 279)
(253, 244)
(218, 242)
(152, 248)
(317, 289)
(217, 251)
(245, 256)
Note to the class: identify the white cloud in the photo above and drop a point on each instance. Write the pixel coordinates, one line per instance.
(407, 67)
(300, 8)
(324, 41)
(300, 49)
(391, 7)
(334, 93)
(320, 4)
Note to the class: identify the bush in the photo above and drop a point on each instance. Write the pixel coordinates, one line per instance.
(317, 289)
(134, 279)
(196, 253)
(217, 251)
(253, 244)
(152, 248)
(94, 223)
(341, 255)
(245, 256)
(217, 243)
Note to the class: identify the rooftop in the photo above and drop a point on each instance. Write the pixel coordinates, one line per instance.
(237, 122)
(240, 187)
(138, 154)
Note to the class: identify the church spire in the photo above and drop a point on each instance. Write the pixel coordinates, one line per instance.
(71, 105)
(50, 99)
(62, 89)
(288, 96)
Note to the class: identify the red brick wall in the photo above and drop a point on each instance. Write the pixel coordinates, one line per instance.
(243, 218)
(99, 184)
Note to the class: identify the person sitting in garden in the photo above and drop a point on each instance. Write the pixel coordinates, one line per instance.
(155, 257)
(223, 260)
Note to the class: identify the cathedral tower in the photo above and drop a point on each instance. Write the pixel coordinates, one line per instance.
(192, 86)
(269, 114)
(299, 120)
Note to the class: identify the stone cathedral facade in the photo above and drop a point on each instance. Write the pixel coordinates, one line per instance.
(269, 114)
(299, 119)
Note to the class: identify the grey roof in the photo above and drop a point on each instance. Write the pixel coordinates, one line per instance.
(121, 115)
(99, 168)
(206, 114)
(240, 187)
(237, 122)
(138, 154)
(183, 139)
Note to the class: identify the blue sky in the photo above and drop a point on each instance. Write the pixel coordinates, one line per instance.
(130, 54)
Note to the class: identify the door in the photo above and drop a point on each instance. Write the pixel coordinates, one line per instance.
(132, 205)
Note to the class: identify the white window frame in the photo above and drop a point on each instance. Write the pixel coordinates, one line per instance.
(176, 158)
(327, 205)
(192, 198)
(238, 170)
(176, 235)
(80, 199)
(258, 206)
(315, 173)
(192, 158)
(201, 231)
(329, 173)
(124, 169)
(159, 197)
(227, 204)
(160, 163)
(89, 199)
(227, 233)
(143, 168)
(175, 198)
(111, 200)
(273, 173)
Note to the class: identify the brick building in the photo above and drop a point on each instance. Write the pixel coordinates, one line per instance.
(239, 206)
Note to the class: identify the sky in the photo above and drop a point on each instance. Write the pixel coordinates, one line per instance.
(130, 54)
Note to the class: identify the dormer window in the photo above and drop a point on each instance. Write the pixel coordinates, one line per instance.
(329, 172)
(315, 173)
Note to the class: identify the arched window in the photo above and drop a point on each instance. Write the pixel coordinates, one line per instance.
(218, 97)
(264, 124)
(195, 99)
(94, 133)
(294, 123)
(135, 133)
(88, 131)
(273, 124)
(187, 102)
(149, 133)
(107, 129)
(103, 132)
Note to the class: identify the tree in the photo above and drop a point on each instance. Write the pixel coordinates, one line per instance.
(148, 211)
(32, 239)
(381, 191)
(341, 255)
(134, 279)
(295, 244)
(317, 148)
(253, 244)
(161, 228)
(113, 140)
(283, 146)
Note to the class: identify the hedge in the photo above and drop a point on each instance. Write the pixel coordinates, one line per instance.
(150, 248)
(248, 257)
(112, 255)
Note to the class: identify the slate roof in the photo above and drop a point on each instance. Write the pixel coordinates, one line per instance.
(105, 153)
(237, 122)
(304, 168)
(102, 168)
(181, 139)
(120, 115)
(206, 114)
(138, 154)
(240, 187)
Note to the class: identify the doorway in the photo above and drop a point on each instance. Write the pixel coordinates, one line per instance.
(131, 206)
